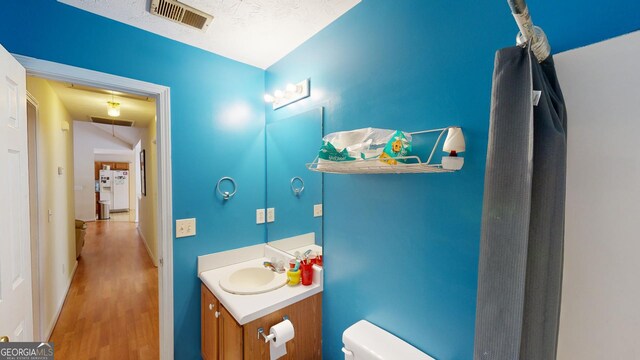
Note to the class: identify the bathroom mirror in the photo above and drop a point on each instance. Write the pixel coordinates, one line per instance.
(292, 189)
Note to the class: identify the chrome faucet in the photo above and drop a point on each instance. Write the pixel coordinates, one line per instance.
(277, 266)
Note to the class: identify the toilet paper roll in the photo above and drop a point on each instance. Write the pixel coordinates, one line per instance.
(282, 333)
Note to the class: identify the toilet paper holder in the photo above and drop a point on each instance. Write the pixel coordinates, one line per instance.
(268, 338)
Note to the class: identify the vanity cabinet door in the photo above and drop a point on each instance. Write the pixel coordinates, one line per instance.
(210, 311)
(230, 337)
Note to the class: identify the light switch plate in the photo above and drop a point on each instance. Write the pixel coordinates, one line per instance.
(260, 216)
(185, 227)
(271, 215)
(317, 210)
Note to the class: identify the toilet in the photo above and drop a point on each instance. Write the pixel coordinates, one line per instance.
(365, 341)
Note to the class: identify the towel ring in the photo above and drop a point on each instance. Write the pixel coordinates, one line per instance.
(227, 195)
(297, 190)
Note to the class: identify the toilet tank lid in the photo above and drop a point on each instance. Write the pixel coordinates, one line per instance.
(367, 340)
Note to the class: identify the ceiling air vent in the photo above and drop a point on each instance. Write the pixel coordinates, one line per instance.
(181, 13)
(116, 122)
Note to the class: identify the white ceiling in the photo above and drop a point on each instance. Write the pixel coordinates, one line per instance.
(256, 32)
(85, 102)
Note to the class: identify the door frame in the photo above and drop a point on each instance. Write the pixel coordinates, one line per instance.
(66, 73)
(35, 234)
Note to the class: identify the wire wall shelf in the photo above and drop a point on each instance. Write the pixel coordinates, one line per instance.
(375, 166)
(411, 164)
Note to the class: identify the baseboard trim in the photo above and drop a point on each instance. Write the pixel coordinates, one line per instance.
(144, 241)
(54, 321)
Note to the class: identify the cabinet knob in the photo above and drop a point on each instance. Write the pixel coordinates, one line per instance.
(210, 306)
(217, 313)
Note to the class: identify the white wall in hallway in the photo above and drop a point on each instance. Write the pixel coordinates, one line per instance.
(57, 228)
(128, 158)
(600, 313)
(148, 205)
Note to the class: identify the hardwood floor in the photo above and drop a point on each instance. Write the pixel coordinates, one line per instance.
(111, 311)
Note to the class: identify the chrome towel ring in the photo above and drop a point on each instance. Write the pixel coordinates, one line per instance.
(297, 190)
(227, 195)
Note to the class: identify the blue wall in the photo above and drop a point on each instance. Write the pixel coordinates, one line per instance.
(217, 118)
(402, 250)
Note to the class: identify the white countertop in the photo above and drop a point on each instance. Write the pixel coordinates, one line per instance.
(246, 308)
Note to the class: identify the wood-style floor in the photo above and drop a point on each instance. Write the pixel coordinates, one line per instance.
(111, 311)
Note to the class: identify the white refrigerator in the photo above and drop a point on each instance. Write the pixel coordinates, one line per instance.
(106, 181)
(120, 191)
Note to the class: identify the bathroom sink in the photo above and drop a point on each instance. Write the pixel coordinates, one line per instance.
(252, 280)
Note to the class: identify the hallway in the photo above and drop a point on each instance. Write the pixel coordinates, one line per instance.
(111, 311)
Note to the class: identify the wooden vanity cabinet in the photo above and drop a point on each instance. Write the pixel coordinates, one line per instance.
(232, 341)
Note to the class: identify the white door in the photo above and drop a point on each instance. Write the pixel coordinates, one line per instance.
(16, 318)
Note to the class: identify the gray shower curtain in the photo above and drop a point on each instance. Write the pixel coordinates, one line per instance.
(521, 247)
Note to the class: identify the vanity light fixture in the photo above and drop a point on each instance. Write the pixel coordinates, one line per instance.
(292, 88)
(113, 108)
(291, 94)
(453, 144)
(268, 98)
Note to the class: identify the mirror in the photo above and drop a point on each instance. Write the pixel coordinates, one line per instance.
(292, 189)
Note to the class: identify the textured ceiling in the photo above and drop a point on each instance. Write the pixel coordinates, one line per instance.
(256, 32)
(81, 104)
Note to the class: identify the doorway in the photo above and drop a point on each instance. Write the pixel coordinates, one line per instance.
(64, 73)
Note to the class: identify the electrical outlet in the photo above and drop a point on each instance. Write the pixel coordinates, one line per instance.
(64, 269)
(260, 216)
(317, 210)
(271, 215)
(185, 227)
